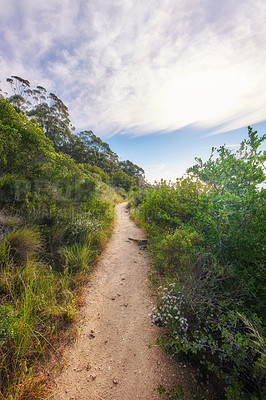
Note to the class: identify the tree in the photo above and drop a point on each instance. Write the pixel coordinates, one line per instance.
(86, 147)
(132, 170)
(23, 144)
(231, 212)
(122, 180)
(238, 172)
(54, 118)
(50, 111)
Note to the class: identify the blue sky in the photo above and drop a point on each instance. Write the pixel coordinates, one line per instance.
(160, 81)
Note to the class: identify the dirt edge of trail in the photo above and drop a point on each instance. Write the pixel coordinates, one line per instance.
(115, 355)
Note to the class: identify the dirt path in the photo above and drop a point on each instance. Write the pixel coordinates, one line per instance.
(111, 359)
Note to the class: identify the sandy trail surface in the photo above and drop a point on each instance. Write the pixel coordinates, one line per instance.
(115, 356)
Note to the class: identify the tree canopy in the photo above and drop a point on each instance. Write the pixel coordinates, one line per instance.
(84, 147)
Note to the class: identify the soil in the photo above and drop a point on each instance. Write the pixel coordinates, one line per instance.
(115, 356)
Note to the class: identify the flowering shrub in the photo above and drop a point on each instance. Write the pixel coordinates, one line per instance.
(170, 311)
(212, 336)
(83, 225)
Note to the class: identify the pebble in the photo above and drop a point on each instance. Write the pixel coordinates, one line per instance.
(92, 334)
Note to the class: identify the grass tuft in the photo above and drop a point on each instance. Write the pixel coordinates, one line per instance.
(24, 243)
(76, 257)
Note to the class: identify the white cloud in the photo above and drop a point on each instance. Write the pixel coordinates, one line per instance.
(140, 67)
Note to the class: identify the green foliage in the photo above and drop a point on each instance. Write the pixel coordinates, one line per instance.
(257, 342)
(95, 171)
(108, 193)
(81, 227)
(76, 257)
(8, 319)
(122, 180)
(48, 110)
(133, 171)
(56, 215)
(22, 143)
(51, 114)
(236, 173)
(175, 252)
(207, 237)
(211, 336)
(170, 205)
(37, 303)
(87, 148)
(177, 393)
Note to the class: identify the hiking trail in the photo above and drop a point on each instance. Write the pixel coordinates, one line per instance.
(115, 356)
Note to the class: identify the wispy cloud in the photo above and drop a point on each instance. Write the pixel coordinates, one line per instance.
(142, 66)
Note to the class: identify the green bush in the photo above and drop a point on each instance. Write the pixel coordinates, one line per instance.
(84, 225)
(207, 236)
(213, 337)
(170, 205)
(174, 253)
(23, 144)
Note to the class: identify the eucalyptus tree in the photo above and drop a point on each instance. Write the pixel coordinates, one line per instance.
(50, 112)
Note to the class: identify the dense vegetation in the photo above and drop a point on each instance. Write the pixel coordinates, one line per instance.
(207, 241)
(206, 235)
(56, 208)
(84, 147)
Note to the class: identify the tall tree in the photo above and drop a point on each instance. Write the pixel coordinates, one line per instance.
(50, 111)
(132, 170)
(86, 147)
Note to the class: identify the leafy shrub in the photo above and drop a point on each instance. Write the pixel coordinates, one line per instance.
(23, 144)
(207, 236)
(211, 335)
(83, 226)
(109, 194)
(13, 188)
(174, 253)
(170, 205)
(178, 393)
